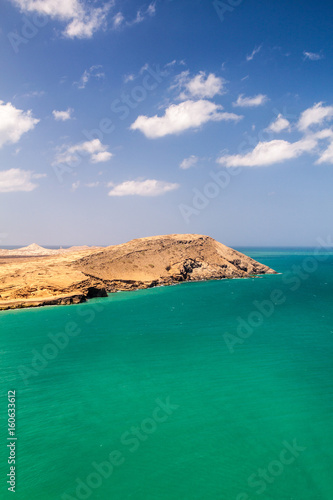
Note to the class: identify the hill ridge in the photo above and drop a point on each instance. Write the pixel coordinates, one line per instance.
(74, 276)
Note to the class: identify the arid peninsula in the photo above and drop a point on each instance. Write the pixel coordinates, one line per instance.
(34, 276)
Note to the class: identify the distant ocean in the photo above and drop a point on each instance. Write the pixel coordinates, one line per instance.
(218, 390)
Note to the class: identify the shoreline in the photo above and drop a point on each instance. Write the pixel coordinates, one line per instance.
(80, 298)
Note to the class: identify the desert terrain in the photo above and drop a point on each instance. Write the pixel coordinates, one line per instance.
(35, 276)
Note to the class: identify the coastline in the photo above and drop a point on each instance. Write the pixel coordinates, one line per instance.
(72, 277)
(79, 298)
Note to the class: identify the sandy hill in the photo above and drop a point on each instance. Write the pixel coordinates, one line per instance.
(176, 257)
(36, 250)
(73, 276)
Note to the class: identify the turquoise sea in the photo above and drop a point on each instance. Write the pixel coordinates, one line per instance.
(211, 390)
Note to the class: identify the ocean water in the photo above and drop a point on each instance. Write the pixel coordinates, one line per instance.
(210, 390)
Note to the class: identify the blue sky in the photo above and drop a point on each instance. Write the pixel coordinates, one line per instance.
(125, 119)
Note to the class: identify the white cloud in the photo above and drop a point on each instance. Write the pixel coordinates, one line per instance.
(34, 93)
(62, 9)
(279, 125)
(75, 185)
(85, 25)
(316, 115)
(92, 184)
(178, 118)
(312, 56)
(189, 162)
(249, 102)
(16, 179)
(151, 9)
(83, 19)
(96, 151)
(63, 115)
(269, 153)
(326, 156)
(129, 78)
(255, 51)
(326, 133)
(319, 143)
(149, 187)
(141, 15)
(92, 72)
(118, 20)
(173, 63)
(101, 157)
(14, 123)
(144, 68)
(200, 86)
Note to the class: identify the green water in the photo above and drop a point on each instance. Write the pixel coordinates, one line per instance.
(162, 380)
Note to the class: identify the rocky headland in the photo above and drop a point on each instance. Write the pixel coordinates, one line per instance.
(34, 276)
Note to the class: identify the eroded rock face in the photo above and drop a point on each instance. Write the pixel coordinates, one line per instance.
(140, 263)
